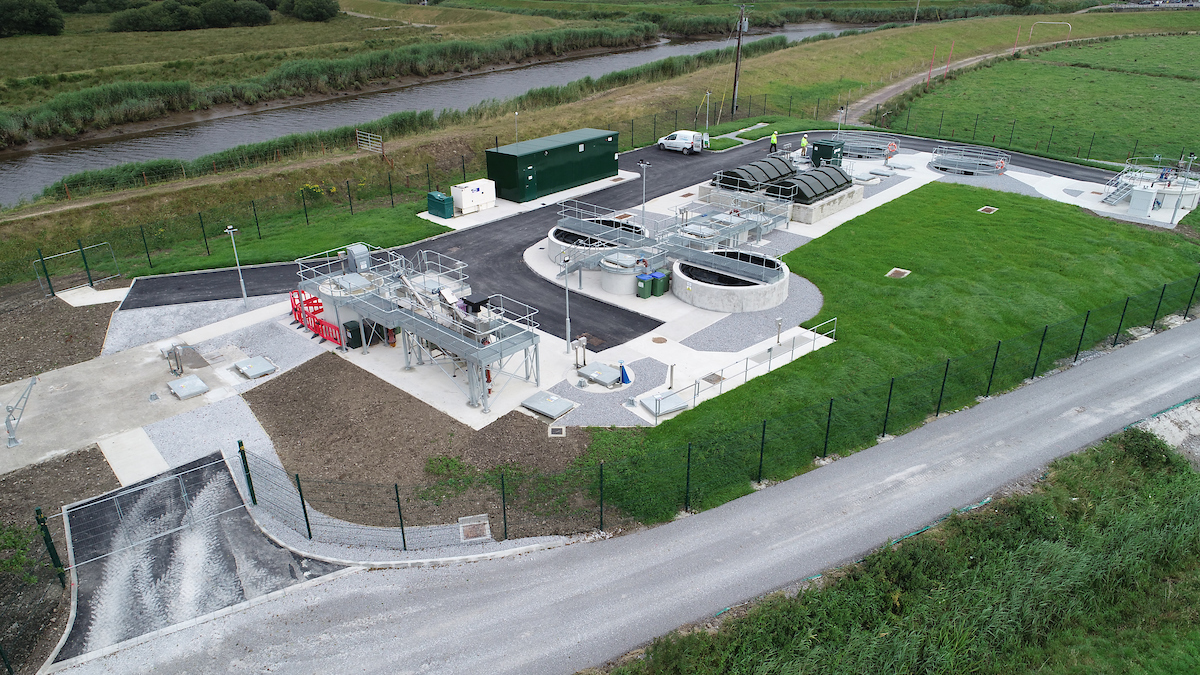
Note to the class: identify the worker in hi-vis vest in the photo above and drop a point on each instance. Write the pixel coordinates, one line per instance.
(774, 141)
(804, 146)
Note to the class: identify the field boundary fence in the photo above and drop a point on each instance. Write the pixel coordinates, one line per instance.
(655, 484)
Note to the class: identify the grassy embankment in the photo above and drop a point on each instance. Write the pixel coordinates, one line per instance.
(803, 73)
(1094, 572)
(1124, 95)
(695, 18)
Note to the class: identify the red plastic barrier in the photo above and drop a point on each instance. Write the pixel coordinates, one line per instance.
(305, 308)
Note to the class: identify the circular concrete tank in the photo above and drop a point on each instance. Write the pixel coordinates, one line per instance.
(712, 290)
(620, 272)
(559, 240)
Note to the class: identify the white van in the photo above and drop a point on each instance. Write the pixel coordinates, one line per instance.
(686, 142)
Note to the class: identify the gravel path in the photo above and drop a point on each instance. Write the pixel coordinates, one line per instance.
(739, 331)
(134, 327)
(286, 347)
(600, 407)
(216, 427)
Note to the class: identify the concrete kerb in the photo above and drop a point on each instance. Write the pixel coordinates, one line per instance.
(235, 469)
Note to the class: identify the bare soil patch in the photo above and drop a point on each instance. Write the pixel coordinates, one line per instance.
(331, 420)
(47, 333)
(34, 616)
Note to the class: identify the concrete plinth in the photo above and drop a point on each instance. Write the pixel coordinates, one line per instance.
(730, 299)
(812, 213)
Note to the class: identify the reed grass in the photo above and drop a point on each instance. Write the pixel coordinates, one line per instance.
(1095, 552)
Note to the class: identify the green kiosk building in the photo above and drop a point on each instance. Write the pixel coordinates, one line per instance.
(540, 166)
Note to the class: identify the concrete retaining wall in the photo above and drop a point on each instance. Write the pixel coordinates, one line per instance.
(811, 213)
(732, 299)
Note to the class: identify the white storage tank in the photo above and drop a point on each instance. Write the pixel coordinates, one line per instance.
(473, 195)
(620, 272)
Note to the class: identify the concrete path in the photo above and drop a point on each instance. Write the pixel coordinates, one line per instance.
(564, 609)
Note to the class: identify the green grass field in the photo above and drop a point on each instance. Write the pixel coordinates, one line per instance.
(1094, 572)
(1073, 111)
(976, 279)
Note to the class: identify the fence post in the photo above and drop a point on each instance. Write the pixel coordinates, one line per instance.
(887, 411)
(1089, 155)
(54, 559)
(207, 251)
(85, 265)
(146, 246)
(601, 495)
(303, 507)
(654, 129)
(304, 203)
(940, 120)
(908, 119)
(828, 424)
(632, 142)
(687, 484)
(1011, 133)
(762, 446)
(1156, 308)
(400, 513)
(464, 166)
(817, 112)
(428, 179)
(1038, 360)
(976, 129)
(46, 272)
(1051, 139)
(942, 393)
(1080, 344)
(390, 195)
(254, 208)
(1120, 323)
(677, 118)
(246, 470)
(1135, 146)
(4, 657)
(1191, 297)
(349, 198)
(993, 373)
(504, 505)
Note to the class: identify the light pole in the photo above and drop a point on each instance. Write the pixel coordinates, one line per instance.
(841, 111)
(644, 164)
(230, 230)
(1182, 182)
(707, 96)
(516, 131)
(566, 259)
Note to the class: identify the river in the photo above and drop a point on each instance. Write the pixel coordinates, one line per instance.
(25, 174)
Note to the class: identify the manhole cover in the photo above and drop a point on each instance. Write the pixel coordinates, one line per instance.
(898, 273)
(659, 340)
(988, 210)
(713, 378)
(688, 194)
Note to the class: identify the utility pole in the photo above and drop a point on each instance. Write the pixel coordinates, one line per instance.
(737, 61)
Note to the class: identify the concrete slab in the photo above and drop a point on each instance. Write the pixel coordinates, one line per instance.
(505, 208)
(86, 295)
(132, 456)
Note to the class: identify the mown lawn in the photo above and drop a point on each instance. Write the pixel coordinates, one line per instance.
(1164, 56)
(1094, 572)
(975, 279)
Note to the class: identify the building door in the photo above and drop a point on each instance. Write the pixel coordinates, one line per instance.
(531, 188)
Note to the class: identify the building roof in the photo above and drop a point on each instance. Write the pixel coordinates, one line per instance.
(551, 142)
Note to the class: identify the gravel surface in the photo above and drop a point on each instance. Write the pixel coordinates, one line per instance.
(739, 331)
(198, 433)
(600, 407)
(133, 327)
(780, 242)
(287, 347)
(1001, 183)
(883, 184)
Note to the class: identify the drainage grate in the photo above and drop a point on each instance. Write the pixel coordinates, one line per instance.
(557, 432)
(988, 210)
(898, 273)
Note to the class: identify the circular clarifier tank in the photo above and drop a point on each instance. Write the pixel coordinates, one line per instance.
(723, 290)
(560, 240)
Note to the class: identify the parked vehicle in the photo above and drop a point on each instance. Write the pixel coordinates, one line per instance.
(686, 142)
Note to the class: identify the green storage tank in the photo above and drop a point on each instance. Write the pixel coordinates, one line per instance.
(535, 168)
(826, 152)
(659, 285)
(645, 285)
(440, 204)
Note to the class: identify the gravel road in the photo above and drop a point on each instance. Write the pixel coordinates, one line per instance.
(580, 605)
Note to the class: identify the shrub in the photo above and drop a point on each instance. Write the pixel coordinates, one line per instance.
(309, 10)
(1148, 449)
(100, 6)
(30, 17)
(226, 13)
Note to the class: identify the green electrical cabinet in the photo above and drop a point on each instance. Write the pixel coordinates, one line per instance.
(440, 204)
(827, 152)
(538, 167)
